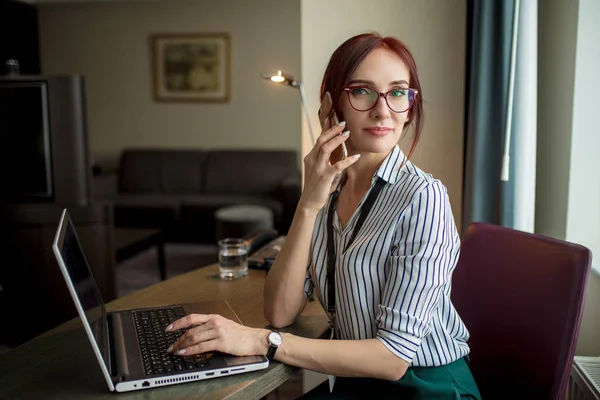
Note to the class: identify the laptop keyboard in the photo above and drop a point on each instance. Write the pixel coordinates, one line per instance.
(154, 342)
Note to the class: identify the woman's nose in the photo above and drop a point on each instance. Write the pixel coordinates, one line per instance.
(381, 109)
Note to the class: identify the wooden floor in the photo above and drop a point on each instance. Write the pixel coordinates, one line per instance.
(142, 270)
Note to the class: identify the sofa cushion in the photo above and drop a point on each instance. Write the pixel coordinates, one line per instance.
(168, 171)
(146, 210)
(139, 171)
(182, 171)
(248, 172)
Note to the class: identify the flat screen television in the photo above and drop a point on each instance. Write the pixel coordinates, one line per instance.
(43, 139)
(26, 162)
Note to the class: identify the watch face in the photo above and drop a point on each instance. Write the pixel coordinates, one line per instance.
(275, 338)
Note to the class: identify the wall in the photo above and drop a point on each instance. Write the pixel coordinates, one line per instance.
(108, 42)
(568, 181)
(583, 218)
(435, 33)
(589, 333)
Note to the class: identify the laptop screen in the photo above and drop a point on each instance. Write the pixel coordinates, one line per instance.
(85, 287)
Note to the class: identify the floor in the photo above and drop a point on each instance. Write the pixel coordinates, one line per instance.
(141, 270)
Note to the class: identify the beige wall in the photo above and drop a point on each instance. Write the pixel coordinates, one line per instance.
(589, 333)
(557, 38)
(435, 32)
(567, 195)
(583, 222)
(108, 43)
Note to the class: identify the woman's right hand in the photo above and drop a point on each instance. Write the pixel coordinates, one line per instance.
(319, 173)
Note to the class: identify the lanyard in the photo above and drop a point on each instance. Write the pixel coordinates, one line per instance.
(331, 256)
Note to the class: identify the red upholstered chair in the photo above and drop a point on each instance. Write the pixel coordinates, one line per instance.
(521, 297)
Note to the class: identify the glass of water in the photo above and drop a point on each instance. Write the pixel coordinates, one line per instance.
(233, 258)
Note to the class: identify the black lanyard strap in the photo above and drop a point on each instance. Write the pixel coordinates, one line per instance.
(331, 256)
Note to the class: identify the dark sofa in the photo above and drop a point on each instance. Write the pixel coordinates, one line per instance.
(179, 191)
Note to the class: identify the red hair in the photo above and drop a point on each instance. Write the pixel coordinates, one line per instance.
(345, 60)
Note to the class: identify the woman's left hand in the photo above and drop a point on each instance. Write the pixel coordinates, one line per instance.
(215, 333)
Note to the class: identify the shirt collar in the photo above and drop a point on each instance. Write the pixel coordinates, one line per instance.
(389, 170)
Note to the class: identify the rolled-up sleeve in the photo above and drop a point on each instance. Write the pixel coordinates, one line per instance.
(418, 269)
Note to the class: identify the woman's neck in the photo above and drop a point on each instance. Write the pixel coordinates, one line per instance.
(360, 174)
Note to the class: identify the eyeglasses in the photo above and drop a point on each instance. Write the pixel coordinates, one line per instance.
(398, 100)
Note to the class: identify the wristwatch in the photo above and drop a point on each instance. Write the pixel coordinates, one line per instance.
(275, 340)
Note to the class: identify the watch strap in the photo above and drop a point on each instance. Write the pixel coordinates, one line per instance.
(271, 351)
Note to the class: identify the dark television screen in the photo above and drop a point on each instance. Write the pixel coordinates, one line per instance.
(25, 162)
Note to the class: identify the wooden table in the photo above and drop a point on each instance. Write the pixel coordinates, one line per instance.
(60, 363)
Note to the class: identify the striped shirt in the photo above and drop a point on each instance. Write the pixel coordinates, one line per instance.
(393, 282)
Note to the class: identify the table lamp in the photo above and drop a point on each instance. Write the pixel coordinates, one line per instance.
(288, 80)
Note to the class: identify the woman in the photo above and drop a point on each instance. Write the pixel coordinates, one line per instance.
(380, 248)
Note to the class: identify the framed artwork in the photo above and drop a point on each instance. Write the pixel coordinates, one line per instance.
(191, 67)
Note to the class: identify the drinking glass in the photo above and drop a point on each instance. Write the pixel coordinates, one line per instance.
(233, 258)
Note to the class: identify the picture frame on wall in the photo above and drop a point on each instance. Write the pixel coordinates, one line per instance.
(191, 67)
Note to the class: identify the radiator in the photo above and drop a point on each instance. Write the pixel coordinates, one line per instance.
(584, 382)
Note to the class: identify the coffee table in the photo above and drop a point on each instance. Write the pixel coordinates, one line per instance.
(132, 241)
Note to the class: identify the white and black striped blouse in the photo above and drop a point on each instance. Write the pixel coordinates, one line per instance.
(393, 282)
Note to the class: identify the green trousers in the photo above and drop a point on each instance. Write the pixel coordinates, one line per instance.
(448, 382)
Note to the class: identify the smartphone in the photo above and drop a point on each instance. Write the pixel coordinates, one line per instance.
(328, 118)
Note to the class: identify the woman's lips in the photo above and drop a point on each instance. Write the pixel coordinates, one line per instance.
(378, 131)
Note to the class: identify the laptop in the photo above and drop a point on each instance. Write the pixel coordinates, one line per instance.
(130, 345)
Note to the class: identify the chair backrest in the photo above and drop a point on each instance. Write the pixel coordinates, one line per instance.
(521, 297)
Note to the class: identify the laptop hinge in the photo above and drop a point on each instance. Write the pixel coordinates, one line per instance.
(119, 365)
